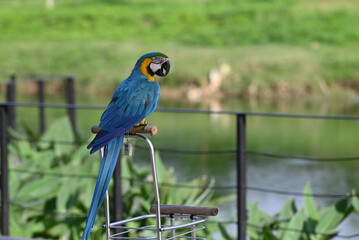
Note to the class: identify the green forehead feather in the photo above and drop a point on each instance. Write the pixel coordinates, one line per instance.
(161, 54)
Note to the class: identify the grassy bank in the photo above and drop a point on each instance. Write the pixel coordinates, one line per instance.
(272, 47)
(212, 22)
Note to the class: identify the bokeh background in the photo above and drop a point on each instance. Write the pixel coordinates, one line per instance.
(278, 56)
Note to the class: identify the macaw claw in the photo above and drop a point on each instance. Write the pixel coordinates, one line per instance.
(143, 123)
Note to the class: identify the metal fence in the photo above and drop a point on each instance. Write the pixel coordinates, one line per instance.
(8, 120)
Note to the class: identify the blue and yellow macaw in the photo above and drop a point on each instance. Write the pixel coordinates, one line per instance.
(134, 99)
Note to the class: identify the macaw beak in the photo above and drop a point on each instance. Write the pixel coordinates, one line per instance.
(165, 69)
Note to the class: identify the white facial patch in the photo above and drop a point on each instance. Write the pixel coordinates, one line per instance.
(155, 66)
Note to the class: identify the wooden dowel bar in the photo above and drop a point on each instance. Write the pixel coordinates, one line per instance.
(145, 129)
(179, 209)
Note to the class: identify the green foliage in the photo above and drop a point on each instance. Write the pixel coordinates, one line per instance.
(45, 200)
(52, 183)
(292, 223)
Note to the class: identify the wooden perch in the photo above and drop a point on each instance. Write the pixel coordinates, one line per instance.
(145, 129)
(172, 209)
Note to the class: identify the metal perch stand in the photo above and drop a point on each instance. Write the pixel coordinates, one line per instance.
(184, 219)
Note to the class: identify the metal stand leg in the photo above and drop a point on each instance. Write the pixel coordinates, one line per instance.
(193, 234)
(107, 207)
(155, 182)
(155, 185)
(172, 221)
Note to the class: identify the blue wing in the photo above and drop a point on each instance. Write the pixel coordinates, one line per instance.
(131, 102)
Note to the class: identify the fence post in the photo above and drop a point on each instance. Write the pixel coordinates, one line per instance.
(11, 98)
(70, 96)
(241, 176)
(41, 100)
(4, 171)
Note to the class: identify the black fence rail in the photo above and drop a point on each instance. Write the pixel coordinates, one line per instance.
(40, 85)
(8, 120)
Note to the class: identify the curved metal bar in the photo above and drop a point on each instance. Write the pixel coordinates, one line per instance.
(184, 225)
(197, 220)
(132, 219)
(155, 180)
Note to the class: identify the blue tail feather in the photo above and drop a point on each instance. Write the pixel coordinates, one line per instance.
(108, 164)
(101, 139)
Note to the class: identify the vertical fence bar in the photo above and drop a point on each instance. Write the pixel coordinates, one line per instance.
(4, 172)
(41, 100)
(241, 176)
(11, 98)
(70, 95)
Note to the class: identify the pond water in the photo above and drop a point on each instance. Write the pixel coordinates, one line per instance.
(183, 136)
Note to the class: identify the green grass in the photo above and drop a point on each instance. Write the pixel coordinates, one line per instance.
(298, 44)
(212, 23)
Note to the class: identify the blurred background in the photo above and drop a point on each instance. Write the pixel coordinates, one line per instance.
(268, 56)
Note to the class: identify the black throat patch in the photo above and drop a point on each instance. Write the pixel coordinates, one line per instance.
(149, 70)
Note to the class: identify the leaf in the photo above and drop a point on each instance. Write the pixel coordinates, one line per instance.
(188, 194)
(331, 217)
(63, 195)
(286, 214)
(162, 172)
(58, 229)
(125, 168)
(355, 202)
(206, 193)
(20, 224)
(22, 150)
(39, 188)
(60, 133)
(267, 234)
(80, 154)
(256, 216)
(253, 232)
(135, 205)
(295, 226)
(224, 233)
(310, 209)
(289, 209)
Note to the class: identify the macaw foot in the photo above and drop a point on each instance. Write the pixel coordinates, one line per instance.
(141, 125)
(143, 122)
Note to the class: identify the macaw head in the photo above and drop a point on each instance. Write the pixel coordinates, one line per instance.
(154, 63)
